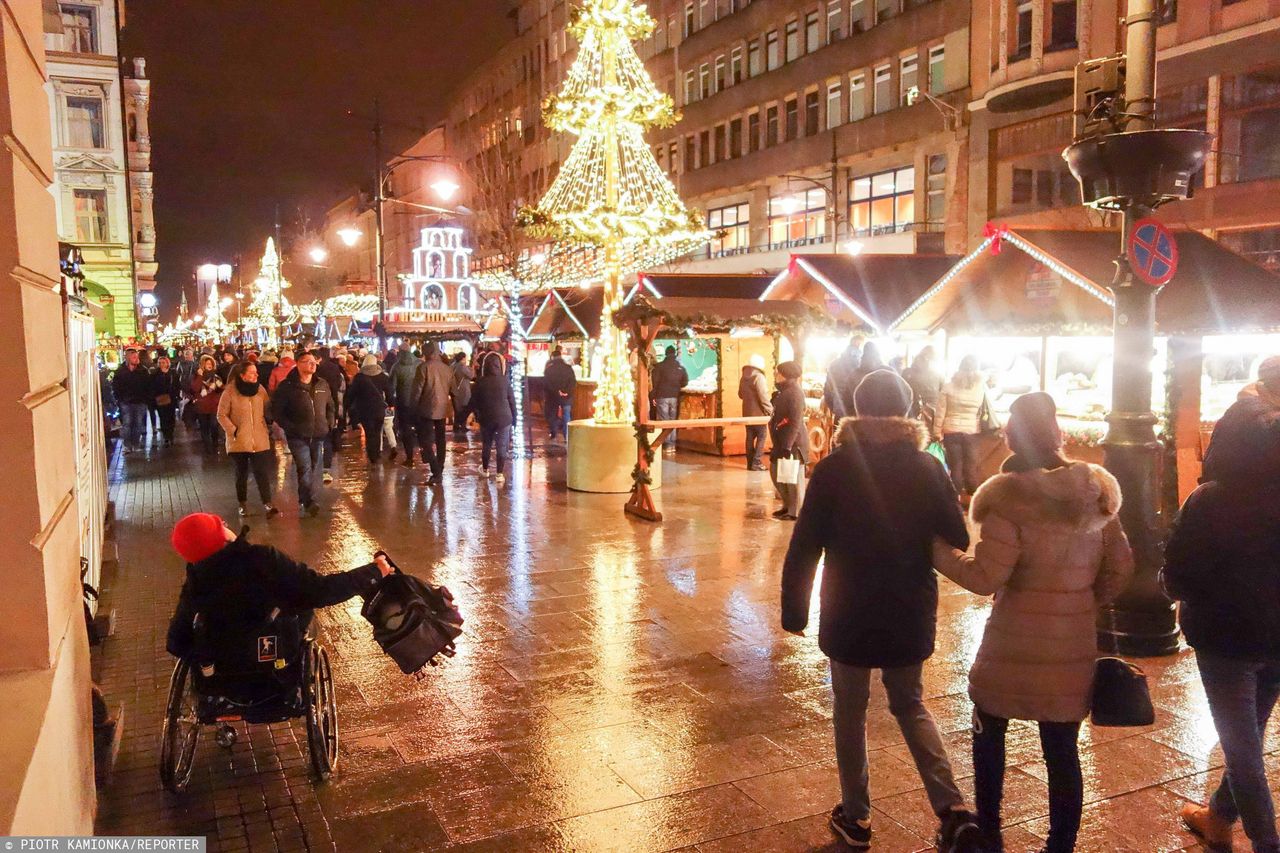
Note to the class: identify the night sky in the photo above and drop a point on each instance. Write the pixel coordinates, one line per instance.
(250, 99)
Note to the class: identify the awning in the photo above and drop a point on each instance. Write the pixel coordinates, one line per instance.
(869, 292)
(689, 285)
(1054, 282)
(683, 314)
(413, 321)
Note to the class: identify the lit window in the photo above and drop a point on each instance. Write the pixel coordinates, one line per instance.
(84, 122)
(834, 112)
(882, 203)
(883, 94)
(907, 79)
(797, 218)
(858, 97)
(793, 41)
(735, 65)
(79, 28)
(937, 69)
(835, 21)
(91, 216)
(812, 34)
(772, 57)
(731, 227)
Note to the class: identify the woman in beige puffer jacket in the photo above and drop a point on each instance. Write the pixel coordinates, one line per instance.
(1051, 550)
(243, 412)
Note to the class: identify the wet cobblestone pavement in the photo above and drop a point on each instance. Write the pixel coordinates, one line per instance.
(620, 686)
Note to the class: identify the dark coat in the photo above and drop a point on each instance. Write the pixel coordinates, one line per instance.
(788, 431)
(166, 383)
(402, 378)
(669, 379)
(240, 585)
(559, 379)
(874, 507)
(368, 396)
(304, 410)
(132, 386)
(753, 391)
(330, 371)
(494, 401)
(841, 383)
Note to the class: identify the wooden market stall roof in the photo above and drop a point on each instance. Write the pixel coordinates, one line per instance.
(683, 313)
(569, 313)
(866, 291)
(1044, 282)
(657, 286)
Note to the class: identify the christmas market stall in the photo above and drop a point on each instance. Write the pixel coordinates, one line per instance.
(570, 319)
(1035, 310)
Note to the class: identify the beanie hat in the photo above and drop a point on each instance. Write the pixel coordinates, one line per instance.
(1033, 425)
(882, 394)
(370, 360)
(198, 536)
(790, 370)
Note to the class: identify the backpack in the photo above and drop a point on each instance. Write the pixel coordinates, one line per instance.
(413, 621)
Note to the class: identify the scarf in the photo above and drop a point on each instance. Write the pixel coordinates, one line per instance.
(248, 389)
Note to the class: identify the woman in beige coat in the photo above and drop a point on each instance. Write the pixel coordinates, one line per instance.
(1051, 550)
(242, 413)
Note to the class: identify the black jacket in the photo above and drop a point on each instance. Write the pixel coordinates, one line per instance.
(559, 379)
(132, 386)
(788, 430)
(240, 585)
(669, 379)
(494, 401)
(330, 371)
(166, 383)
(304, 411)
(367, 397)
(874, 507)
(841, 383)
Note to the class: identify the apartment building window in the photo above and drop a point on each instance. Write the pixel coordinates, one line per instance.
(1251, 125)
(857, 17)
(1022, 34)
(731, 226)
(858, 97)
(690, 92)
(793, 41)
(704, 149)
(936, 199)
(84, 122)
(79, 28)
(1062, 25)
(883, 94)
(704, 13)
(735, 65)
(937, 69)
(690, 153)
(882, 203)
(834, 112)
(704, 80)
(673, 157)
(792, 118)
(91, 216)
(735, 138)
(722, 69)
(835, 21)
(753, 132)
(721, 142)
(659, 154)
(690, 16)
(812, 35)
(796, 219)
(771, 126)
(811, 114)
(773, 58)
(724, 8)
(659, 41)
(908, 78)
(885, 9)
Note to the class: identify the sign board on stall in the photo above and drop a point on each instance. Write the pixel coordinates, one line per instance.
(1153, 252)
(1043, 285)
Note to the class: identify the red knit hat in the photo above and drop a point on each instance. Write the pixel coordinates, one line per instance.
(198, 536)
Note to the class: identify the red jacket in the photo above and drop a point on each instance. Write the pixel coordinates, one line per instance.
(206, 395)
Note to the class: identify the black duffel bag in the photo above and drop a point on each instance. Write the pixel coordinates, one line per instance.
(413, 621)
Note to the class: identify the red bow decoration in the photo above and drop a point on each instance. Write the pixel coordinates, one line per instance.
(996, 234)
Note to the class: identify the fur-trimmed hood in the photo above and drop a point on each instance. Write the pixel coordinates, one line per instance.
(1079, 495)
(883, 431)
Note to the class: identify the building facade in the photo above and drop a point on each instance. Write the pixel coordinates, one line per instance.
(100, 126)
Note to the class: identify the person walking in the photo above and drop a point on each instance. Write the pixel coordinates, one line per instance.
(330, 370)
(166, 391)
(958, 424)
(1052, 551)
(789, 434)
(281, 370)
(432, 386)
(753, 391)
(842, 379)
(303, 405)
(243, 413)
(879, 596)
(463, 384)
(132, 388)
(1222, 562)
(206, 393)
(669, 379)
(403, 377)
(227, 361)
(495, 405)
(559, 383)
(926, 383)
(367, 399)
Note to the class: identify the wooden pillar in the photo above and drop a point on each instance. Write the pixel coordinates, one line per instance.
(641, 336)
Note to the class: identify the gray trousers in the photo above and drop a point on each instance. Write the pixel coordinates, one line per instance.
(852, 688)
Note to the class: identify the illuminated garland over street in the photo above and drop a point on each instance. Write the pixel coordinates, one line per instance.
(611, 197)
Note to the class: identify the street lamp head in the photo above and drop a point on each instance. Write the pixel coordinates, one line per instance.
(349, 236)
(853, 248)
(208, 272)
(148, 300)
(199, 318)
(225, 302)
(788, 204)
(445, 188)
(319, 254)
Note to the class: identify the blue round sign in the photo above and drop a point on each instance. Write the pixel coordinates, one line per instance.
(1153, 252)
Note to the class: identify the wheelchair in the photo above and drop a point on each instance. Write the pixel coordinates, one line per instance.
(268, 673)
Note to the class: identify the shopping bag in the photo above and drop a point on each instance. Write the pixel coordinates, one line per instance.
(789, 471)
(937, 452)
(389, 431)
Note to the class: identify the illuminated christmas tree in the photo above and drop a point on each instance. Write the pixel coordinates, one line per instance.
(611, 196)
(268, 301)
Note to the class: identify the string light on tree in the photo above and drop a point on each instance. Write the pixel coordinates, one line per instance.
(611, 197)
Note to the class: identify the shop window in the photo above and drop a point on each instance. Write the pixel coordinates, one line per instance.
(91, 216)
(883, 94)
(772, 57)
(908, 79)
(771, 127)
(792, 118)
(835, 21)
(79, 28)
(936, 212)
(797, 219)
(937, 69)
(811, 114)
(1022, 33)
(812, 33)
(731, 227)
(735, 138)
(883, 203)
(84, 122)
(834, 112)
(753, 133)
(793, 40)
(1062, 26)
(857, 97)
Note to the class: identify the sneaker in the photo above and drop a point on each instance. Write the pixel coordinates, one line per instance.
(484, 472)
(272, 511)
(243, 510)
(326, 478)
(782, 513)
(1214, 831)
(501, 479)
(855, 833)
(959, 833)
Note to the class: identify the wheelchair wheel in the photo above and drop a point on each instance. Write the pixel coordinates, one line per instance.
(322, 713)
(181, 732)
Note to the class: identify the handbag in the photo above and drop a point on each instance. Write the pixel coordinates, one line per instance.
(987, 422)
(413, 621)
(1121, 697)
(164, 400)
(789, 471)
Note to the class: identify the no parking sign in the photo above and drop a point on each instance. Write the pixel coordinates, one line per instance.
(1153, 252)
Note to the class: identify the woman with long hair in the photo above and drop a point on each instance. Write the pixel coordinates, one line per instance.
(206, 393)
(957, 424)
(243, 411)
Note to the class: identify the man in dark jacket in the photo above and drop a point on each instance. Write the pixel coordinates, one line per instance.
(879, 595)
(132, 388)
(842, 379)
(330, 370)
(234, 585)
(669, 379)
(789, 433)
(304, 408)
(464, 379)
(402, 379)
(495, 406)
(433, 387)
(559, 382)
